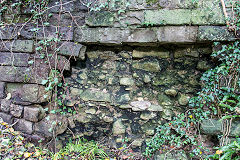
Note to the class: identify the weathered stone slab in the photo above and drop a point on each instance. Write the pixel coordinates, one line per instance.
(23, 126)
(168, 17)
(33, 74)
(145, 52)
(27, 92)
(62, 62)
(7, 32)
(127, 81)
(6, 117)
(215, 33)
(140, 36)
(101, 18)
(51, 124)
(2, 89)
(17, 46)
(30, 31)
(168, 34)
(140, 105)
(209, 12)
(67, 6)
(131, 18)
(150, 66)
(62, 33)
(182, 52)
(177, 34)
(66, 20)
(71, 49)
(208, 16)
(214, 127)
(95, 95)
(118, 128)
(14, 59)
(16, 110)
(100, 35)
(16, 74)
(34, 113)
(5, 105)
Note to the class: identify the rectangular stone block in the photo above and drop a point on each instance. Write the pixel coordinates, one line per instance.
(2, 90)
(5, 105)
(66, 20)
(160, 53)
(168, 17)
(100, 35)
(7, 32)
(33, 113)
(71, 49)
(140, 36)
(32, 93)
(203, 16)
(101, 18)
(177, 34)
(14, 59)
(23, 126)
(215, 33)
(32, 74)
(16, 110)
(29, 31)
(62, 33)
(6, 117)
(17, 46)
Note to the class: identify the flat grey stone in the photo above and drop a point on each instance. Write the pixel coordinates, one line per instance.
(23, 126)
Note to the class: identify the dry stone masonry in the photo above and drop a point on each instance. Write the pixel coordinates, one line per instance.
(130, 71)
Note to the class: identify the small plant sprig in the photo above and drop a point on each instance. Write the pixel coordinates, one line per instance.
(230, 151)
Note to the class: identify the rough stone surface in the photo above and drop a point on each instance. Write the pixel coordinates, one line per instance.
(169, 17)
(6, 117)
(139, 36)
(118, 128)
(17, 46)
(157, 108)
(23, 74)
(27, 92)
(176, 155)
(203, 65)
(82, 118)
(235, 130)
(5, 105)
(177, 34)
(95, 95)
(147, 115)
(126, 81)
(183, 100)
(34, 113)
(148, 52)
(215, 33)
(51, 123)
(137, 142)
(211, 127)
(140, 105)
(151, 66)
(2, 89)
(71, 49)
(166, 34)
(14, 59)
(16, 110)
(23, 126)
(171, 92)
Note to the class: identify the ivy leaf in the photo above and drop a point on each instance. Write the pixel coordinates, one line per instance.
(44, 81)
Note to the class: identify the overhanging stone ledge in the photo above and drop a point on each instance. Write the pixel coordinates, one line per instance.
(117, 36)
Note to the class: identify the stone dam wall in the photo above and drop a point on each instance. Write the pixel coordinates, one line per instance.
(127, 71)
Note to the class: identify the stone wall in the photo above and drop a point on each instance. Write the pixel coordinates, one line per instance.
(133, 66)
